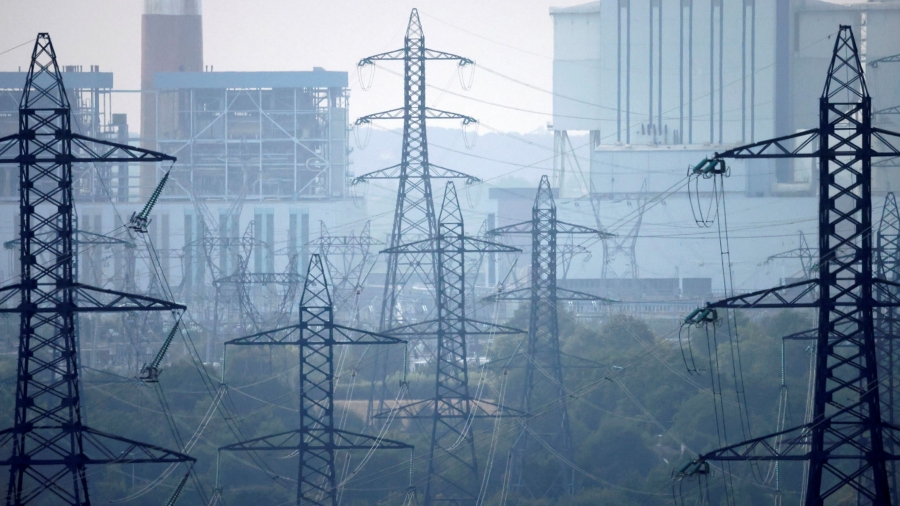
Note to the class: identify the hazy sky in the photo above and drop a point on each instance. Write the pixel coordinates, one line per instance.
(510, 37)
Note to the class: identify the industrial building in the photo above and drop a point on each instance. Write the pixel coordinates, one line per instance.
(660, 86)
(262, 159)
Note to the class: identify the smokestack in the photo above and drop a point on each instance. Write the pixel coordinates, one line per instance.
(171, 41)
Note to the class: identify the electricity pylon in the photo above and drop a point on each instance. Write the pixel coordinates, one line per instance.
(845, 442)
(347, 258)
(803, 253)
(452, 463)
(51, 446)
(414, 217)
(317, 439)
(542, 347)
(887, 267)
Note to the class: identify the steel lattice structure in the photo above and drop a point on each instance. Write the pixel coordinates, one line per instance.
(414, 216)
(847, 443)
(542, 346)
(233, 297)
(887, 267)
(50, 445)
(453, 408)
(803, 253)
(316, 439)
(347, 257)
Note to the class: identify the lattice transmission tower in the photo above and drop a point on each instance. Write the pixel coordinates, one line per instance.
(544, 378)
(49, 447)
(414, 216)
(348, 259)
(317, 439)
(887, 326)
(452, 463)
(803, 253)
(848, 443)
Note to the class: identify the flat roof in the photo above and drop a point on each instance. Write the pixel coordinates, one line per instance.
(316, 78)
(72, 80)
(588, 8)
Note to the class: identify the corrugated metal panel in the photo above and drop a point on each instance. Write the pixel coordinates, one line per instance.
(72, 80)
(251, 80)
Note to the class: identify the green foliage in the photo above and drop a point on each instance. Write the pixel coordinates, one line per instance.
(637, 414)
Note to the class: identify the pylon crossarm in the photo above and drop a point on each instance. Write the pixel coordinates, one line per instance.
(886, 293)
(517, 228)
(887, 162)
(6, 294)
(397, 54)
(422, 246)
(281, 336)
(105, 151)
(346, 440)
(92, 239)
(803, 335)
(786, 296)
(261, 278)
(793, 444)
(6, 144)
(570, 228)
(392, 172)
(398, 113)
(564, 294)
(438, 172)
(470, 245)
(790, 254)
(439, 114)
(470, 327)
(895, 58)
(103, 448)
(433, 54)
(450, 407)
(314, 440)
(517, 294)
(112, 449)
(286, 441)
(347, 335)
(342, 241)
(793, 146)
(889, 145)
(490, 409)
(90, 299)
(473, 245)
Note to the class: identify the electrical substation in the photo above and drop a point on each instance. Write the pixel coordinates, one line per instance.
(232, 287)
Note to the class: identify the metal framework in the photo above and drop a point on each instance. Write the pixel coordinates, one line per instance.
(234, 300)
(887, 267)
(803, 253)
(316, 440)
(879, 116)
(542, 346)
(347, 258)
(49, 446)
(240, 139)
(452, 463)
(414, 216)
(847, 443)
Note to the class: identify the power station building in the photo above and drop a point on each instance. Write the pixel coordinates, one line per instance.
(660, 85)
(262, 158)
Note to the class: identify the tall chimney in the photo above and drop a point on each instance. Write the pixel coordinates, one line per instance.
(171, 41)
